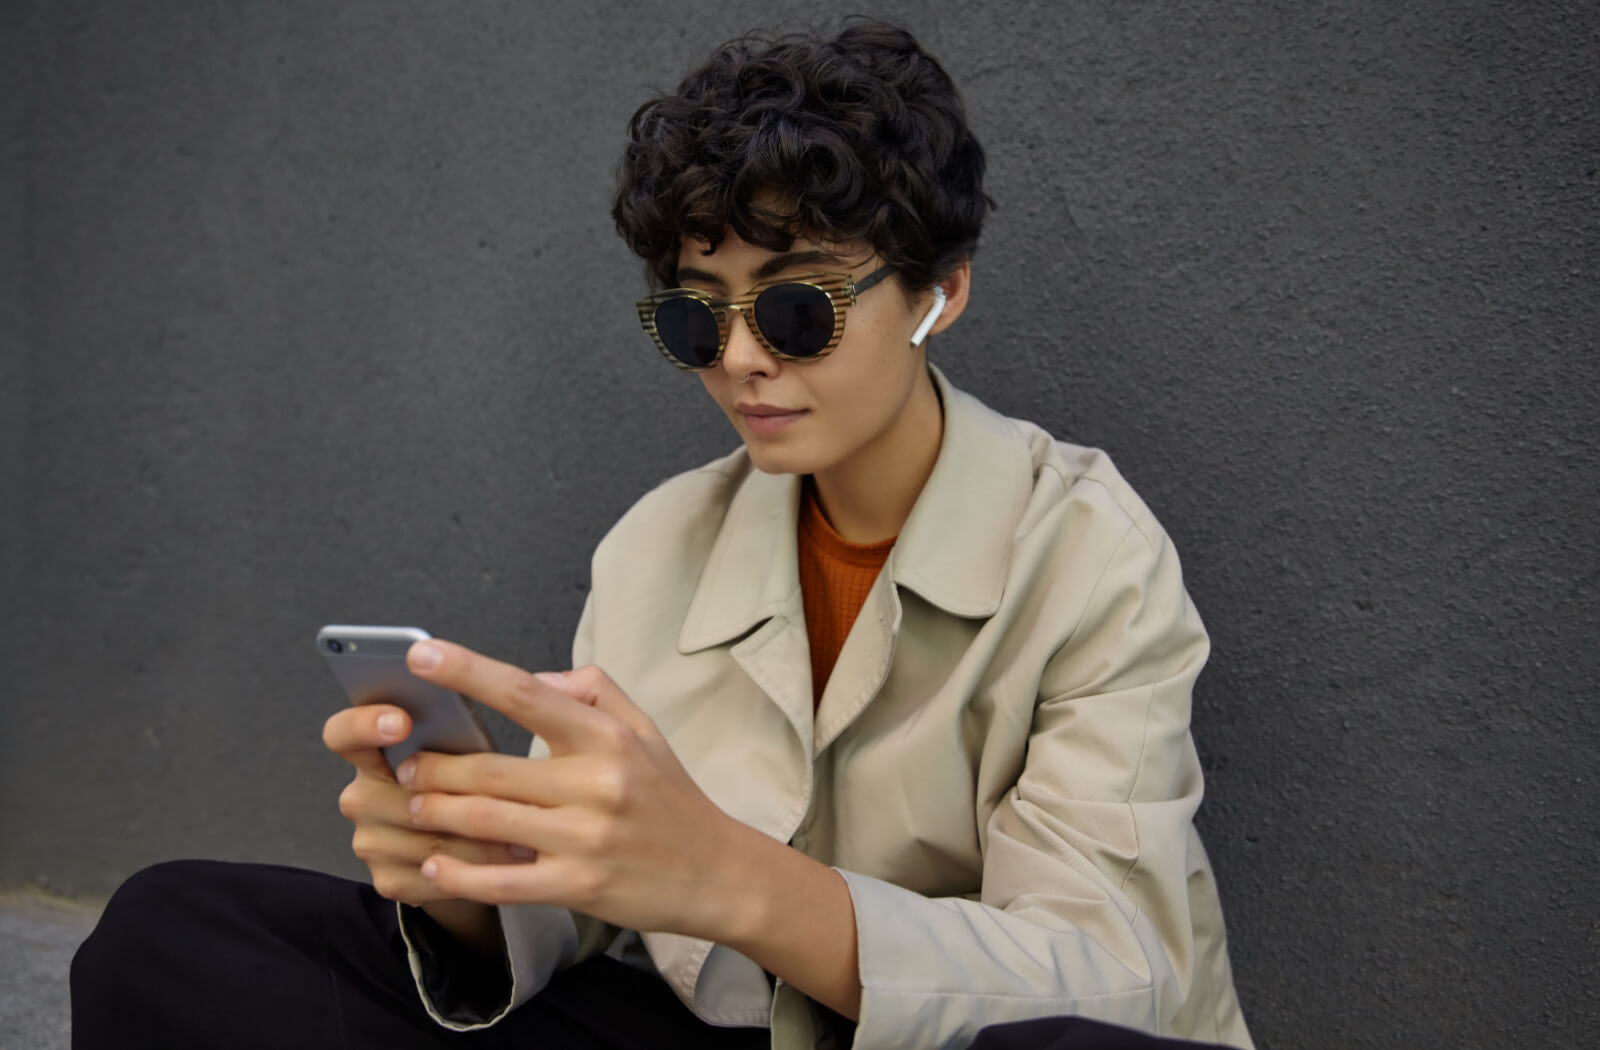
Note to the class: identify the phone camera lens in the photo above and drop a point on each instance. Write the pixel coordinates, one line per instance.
(335, 646)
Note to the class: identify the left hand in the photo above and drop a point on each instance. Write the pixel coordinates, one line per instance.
(613, 825)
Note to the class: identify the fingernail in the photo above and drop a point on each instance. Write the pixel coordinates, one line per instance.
(522, 852)
(426, 657)
(391, 725)
(407, 770)
(552, 678)
(416, 806)
(429, 868)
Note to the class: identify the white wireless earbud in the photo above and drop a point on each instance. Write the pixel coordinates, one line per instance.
(933, 315)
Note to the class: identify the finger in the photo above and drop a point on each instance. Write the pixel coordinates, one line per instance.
(546, 880)
(403, 881)
(370, 800)
(406, 883)
(566, 723)
(356, 734)
(533, 781)
(534, 828)
(383, 844)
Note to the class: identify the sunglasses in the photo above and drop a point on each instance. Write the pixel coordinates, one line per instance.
(798, 318)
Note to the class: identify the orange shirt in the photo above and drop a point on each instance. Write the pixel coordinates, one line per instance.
(835, 576)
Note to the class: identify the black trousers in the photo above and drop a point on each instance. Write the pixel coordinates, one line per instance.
(202, 954)
(193, 954)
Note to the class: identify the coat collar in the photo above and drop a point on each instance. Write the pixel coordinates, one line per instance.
(954, 551)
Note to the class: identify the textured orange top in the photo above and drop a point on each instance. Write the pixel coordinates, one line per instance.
(835, 576)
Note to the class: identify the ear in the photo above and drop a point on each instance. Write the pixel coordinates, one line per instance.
(956, 284)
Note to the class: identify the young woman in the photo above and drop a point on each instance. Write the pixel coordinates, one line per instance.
(879, 727)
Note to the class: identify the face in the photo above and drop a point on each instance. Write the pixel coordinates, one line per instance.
(816, 416)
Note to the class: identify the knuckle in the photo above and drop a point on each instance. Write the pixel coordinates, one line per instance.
(388, 883)
(617, 737)
(469, 773)
(600, 837)
(357, 800)
(525, 691)
(611, 787)
(649, 734)
(367, 844)
(337, 732)
(482, 818)
(500, 778)
(350, 800)
(466, 816)
(494, 780)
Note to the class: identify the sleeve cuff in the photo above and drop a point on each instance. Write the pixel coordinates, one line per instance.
(800, 1023)
(465, 991)
(935, 971)
(463, 984)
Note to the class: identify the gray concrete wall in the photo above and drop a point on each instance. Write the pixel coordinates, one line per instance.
(325, 321)
(14, 361)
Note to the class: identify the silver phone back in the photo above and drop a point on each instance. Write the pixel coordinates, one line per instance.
(370, 663)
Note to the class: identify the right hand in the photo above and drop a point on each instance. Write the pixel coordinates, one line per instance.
(385, 837)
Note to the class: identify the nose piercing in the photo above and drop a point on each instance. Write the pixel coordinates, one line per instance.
(743, 379)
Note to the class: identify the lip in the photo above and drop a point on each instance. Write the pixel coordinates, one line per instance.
(768, 419)
(756, 408)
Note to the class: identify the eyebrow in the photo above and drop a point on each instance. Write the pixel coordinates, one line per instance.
(771, 268)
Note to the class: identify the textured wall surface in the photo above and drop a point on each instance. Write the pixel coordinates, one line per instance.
(14, 362)
(314, 313)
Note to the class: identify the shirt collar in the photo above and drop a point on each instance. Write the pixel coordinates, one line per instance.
(954, 550)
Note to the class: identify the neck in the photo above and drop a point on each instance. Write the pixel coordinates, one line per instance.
(868, 497)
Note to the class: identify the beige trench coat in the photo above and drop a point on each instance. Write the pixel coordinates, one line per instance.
(1000, 766)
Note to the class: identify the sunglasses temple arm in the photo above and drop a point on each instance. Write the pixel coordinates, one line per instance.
(933, 315)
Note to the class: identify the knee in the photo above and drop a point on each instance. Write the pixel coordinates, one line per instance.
(141, 909)
(155, 891)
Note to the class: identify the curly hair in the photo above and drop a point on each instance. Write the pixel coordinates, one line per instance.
(859, 138)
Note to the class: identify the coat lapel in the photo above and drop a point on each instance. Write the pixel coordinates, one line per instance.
(750, 590)
(863, 663)
(955, 548)
(954, 552)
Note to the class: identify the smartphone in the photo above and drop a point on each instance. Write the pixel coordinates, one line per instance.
(370, 662)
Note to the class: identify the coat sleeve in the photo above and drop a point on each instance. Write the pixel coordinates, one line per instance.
(1084, 907)
(539, 940)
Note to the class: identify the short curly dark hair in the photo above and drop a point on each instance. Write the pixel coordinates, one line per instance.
(855, 138)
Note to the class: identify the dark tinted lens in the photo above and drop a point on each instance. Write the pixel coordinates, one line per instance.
(797, 319)
(689, 329)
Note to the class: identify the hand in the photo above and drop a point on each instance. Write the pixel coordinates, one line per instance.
(611, 824)
(385, 838)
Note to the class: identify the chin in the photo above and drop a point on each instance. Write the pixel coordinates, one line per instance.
(769, 460)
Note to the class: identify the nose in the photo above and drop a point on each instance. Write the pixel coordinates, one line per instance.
(744, 354)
